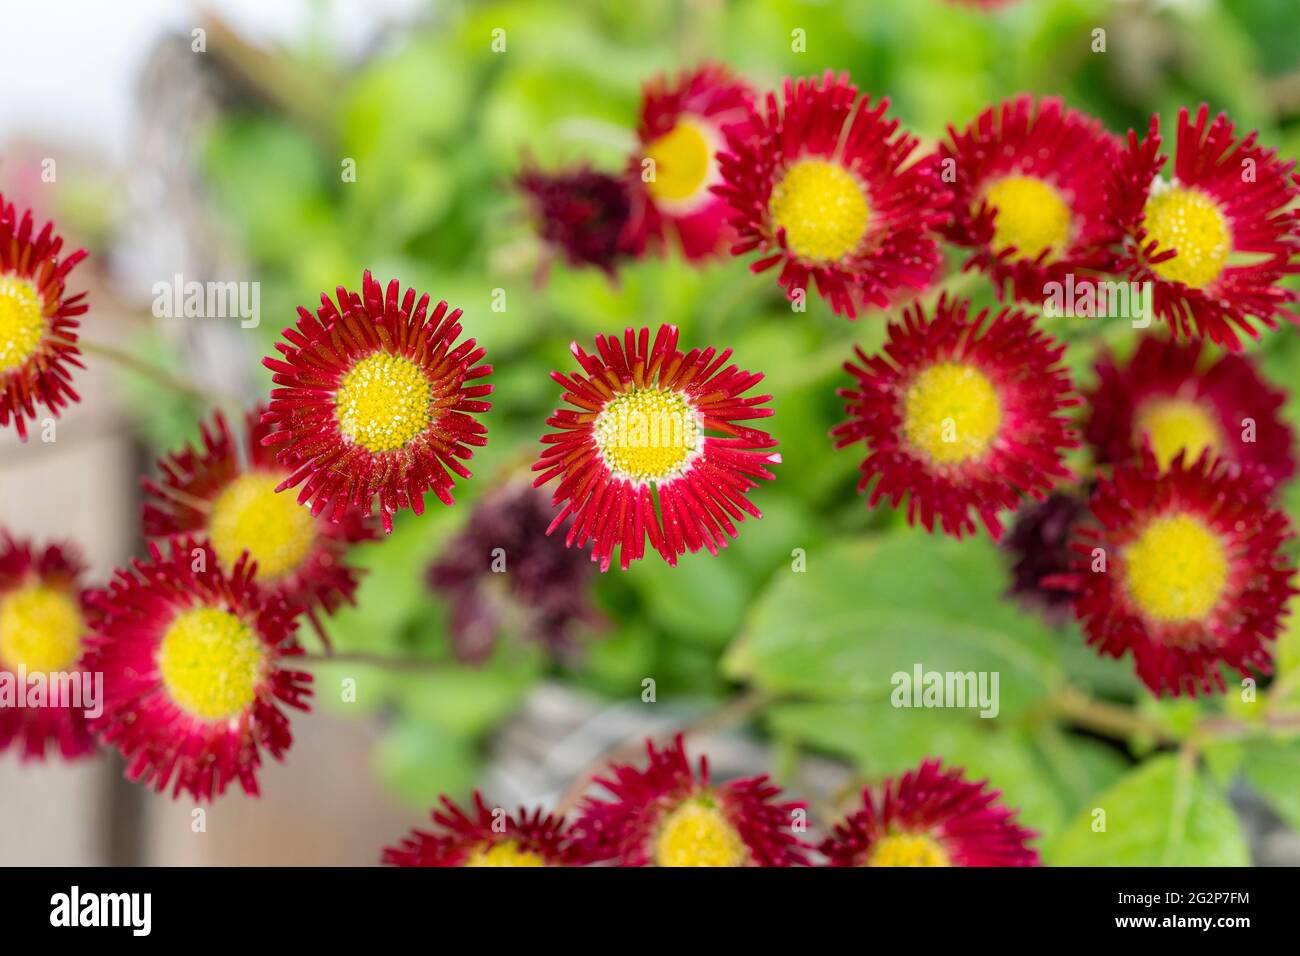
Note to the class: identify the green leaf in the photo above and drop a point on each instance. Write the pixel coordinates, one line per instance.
(419, 761)
(1164, 813)
(1273, 769)
(702, 600)
(864, 611)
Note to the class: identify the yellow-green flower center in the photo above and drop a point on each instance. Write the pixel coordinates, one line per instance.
(505, 853)
(40, 629)
(384, 402)
(22, 322)
(822, 208)
(683, 159)
(274, 529)
(907, 849)
(1031, 215)
(1188, 221)
(951, 413)
(1176, 569)
(211, 663)
(1175, 424)
(647, 434)
(697, 834)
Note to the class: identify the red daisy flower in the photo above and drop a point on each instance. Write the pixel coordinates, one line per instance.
(669, 815)
(193, 671)
(642, 414)
(684, 125)
(1216, 241)
(585, 214)
(486, 837)
(960, 414)
(230, 499)
(1167, 396)
(1184, 567)
(930, 817)
(44, 617)
(376, 402)
(818, 185)
(1025, 197)
(38, 324)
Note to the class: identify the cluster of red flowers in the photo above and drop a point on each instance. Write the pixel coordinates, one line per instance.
(964, 415)
(670, 813)
(1177, 555)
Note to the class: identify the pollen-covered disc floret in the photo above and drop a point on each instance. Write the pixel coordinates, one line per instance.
(670, 815)
(193, 659)
(376, 400)
(820, 185)
(44, 624)
(684, 125)
(654, 448)
(38, 320)
(1216, 234)
(227, 495)
(1175, 398)
(1026, 200)
(1183, 567)
(961, 414)
(930, 817)
(486, 836)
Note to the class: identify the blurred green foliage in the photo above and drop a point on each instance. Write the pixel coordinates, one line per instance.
(438, 124)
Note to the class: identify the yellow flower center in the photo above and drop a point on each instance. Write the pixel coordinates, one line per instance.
(22, 322)
(647, 434)
(1174, 424)
(697, 834)
(683, 160)
(211, 663)
(822, 208)
(1176, 569)
(505, 853)
(384, 402)
(273, 528)
(907, 849)
(1189, 221)
(1031, 215)
(951, 413)
(40, 629)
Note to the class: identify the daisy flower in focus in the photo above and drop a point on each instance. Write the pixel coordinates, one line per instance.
(642, 416)
(585, 215)
(485, 836)
(819, 186)
(930, 817)
(376, 400)
(1217, 239)
(684, 124)
(194, 676)
(1184, 568)
(960, 414)
(1169, 396)
(1026, 200)
(670, 815)
(209, 492)
(38, 324)
(44, 617)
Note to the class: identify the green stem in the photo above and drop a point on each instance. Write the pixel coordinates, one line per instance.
(1103, 717)
(144, 369)
(373, 660)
